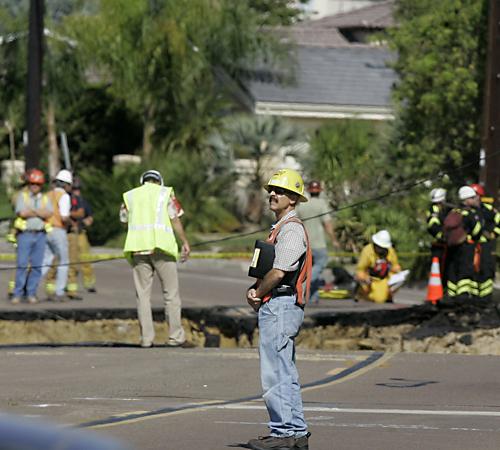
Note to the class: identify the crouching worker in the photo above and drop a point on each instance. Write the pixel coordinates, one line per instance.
(377, 263)
(279, 299)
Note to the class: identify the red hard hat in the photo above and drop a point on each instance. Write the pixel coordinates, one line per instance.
(314, 187)
(35, 176)
(479, 189)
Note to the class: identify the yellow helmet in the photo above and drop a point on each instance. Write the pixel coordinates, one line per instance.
(288, 179)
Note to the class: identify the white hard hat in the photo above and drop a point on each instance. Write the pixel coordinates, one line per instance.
(65, 176)
(438, 195)
(151, 174)
(382, 239)
(466, 192)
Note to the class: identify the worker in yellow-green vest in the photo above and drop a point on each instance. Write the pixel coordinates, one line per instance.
(153, 215)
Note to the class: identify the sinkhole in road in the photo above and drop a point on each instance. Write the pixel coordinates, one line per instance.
(459, 327)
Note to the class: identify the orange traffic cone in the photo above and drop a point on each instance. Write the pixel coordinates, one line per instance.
(434, 287)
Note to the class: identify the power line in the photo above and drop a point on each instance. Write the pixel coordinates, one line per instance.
(395, 191)
(391, 192)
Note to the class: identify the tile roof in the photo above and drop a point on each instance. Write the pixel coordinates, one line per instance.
(354, 75)
(379, 15)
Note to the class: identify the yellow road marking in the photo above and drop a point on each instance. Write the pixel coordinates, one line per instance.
(203, 406)
(335, 371)
(382, 360)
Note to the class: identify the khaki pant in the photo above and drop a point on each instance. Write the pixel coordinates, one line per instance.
(144, 267)
(78, 246)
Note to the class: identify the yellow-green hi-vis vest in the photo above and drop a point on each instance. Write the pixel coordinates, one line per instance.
(149, 226)
(20, 224)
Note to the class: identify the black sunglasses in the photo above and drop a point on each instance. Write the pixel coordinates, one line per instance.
(278, 190)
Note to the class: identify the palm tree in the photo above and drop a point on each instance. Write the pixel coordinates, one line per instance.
(262, 141)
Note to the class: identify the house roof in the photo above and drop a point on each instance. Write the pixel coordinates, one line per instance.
(308, 36)
(379, 15)
(332, 82)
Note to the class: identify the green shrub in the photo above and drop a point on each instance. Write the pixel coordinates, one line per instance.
(200, 189)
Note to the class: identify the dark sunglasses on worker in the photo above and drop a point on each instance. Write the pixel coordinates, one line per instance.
(278, 190)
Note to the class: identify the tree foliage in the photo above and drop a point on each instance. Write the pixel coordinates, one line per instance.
(262, 140)
(162, 59)
(278, 12)
(441, 55)
(13, 72)
(347, 156)
(98, 127)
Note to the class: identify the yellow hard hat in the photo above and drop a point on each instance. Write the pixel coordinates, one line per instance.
(288, 179)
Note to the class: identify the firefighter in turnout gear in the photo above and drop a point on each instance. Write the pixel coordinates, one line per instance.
(435, 218)
(462, 231)
(491, 230)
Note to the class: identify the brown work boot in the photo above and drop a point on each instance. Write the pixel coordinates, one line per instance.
(15, 300)
(280, 443)
(32, 299)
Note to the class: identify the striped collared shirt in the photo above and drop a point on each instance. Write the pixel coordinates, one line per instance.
(290, 244)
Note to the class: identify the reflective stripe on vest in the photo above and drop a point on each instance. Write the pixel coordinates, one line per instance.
(21, 224)
(149, 225)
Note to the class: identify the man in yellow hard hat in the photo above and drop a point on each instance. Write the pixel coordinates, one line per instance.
(279, 299)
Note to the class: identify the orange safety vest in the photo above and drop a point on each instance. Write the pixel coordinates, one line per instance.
(56, 219)
(304, 271)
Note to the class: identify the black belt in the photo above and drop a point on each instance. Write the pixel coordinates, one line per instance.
(33, 231)
(282, 291)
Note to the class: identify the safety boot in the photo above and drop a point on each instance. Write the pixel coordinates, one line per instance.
(280, 443)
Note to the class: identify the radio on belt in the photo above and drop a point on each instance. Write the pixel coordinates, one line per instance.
(262, 260)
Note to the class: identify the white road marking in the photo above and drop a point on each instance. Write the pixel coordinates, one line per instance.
(35, 353)
(253, 354)
(108, 398)
(372, 425)
(46, 405)
(421, 412)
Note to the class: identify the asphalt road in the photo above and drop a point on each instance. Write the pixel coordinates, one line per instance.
(203, 283)
(182, 399)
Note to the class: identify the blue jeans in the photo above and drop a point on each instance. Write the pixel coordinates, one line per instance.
(320, 260)
(30, 250)
(57, 245)
(279, 322)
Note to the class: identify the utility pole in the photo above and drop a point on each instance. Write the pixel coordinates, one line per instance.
(34, 97)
